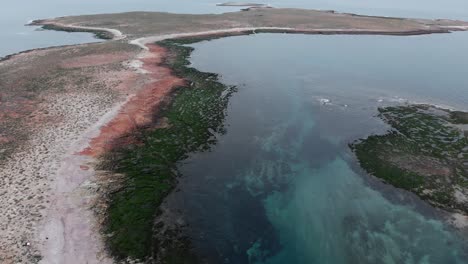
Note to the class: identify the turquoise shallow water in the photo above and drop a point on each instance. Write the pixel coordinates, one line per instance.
(329, 216)
(281, 186)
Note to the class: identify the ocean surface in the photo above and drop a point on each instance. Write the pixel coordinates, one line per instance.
(281, 186)
(15, 37)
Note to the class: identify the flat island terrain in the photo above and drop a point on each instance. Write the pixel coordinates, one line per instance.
(241, 4)
(91, 135)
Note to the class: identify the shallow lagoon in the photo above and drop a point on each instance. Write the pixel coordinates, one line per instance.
(281, 186)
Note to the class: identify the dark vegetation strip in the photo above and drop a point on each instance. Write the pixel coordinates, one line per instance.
(425, 152)
(100, 34)
(195, 117)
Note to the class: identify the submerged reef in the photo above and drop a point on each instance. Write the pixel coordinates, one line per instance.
(425, 152)
(192, 121)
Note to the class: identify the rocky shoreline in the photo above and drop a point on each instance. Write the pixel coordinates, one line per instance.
(425, 152)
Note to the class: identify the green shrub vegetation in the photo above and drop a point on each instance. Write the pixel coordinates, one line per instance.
(195, 116)
(425, 152)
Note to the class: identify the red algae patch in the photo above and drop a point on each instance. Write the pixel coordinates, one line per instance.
(84, 167)
(141, 107)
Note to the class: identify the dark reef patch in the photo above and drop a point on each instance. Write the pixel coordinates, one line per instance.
(426, 152)
(149, 169)
(100, 34)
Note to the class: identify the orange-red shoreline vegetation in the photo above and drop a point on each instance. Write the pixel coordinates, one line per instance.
(140, 109)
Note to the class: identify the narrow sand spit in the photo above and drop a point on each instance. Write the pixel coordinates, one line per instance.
(117, 35)
(69, 232)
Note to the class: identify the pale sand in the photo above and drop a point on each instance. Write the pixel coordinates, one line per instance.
(70, 231)
(45, 190)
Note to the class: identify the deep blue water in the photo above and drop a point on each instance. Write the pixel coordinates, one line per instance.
(282, 186)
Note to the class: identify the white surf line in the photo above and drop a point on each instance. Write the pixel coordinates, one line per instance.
(116, 33)
(464, 28)
(141, 42)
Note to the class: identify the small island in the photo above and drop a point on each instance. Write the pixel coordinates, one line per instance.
(242, 4)
(425, 152)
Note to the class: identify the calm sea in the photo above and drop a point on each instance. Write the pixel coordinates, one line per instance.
(15, 37)
(282, 186)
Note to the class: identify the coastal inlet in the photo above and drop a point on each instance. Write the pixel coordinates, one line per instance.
(260, 173)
